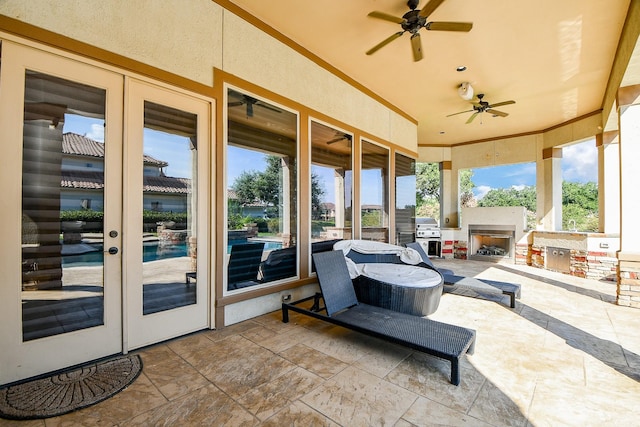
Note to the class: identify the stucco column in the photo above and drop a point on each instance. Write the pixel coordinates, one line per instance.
(608, 182)
(338, 182)
(549, 190)
(629, 256)
(448, 196)
(286, 202)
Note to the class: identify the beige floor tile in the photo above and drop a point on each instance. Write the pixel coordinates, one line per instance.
(207, 406)
(430, 377)
(314, 361)
(358, 398)
(269, 398)
(558, 404)
(299, 415)
(173, 376)
(496, 408)
(427, 413)
(240, 369)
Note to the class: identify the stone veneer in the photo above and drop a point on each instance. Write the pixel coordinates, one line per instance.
(585, 264)
(628, 276)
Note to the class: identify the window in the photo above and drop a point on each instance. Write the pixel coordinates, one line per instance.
(374, 192)
(405, 199)
(261, 161)
(331, 183)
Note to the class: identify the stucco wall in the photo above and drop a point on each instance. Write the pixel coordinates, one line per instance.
(191, 41)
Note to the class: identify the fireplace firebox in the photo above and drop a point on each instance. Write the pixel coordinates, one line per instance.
(491, 242)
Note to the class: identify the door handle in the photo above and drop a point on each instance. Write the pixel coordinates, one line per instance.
(113, 250)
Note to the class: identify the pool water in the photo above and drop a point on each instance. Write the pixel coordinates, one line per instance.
(152, 251)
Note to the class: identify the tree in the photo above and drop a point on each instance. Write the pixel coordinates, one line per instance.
(511, 197)
(265, 187)
(428, 189)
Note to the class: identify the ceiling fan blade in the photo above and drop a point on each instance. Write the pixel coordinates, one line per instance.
(416, 46)
(449, 26)
(269, 107)
(386, 17)
(461, 112)
(499, 104)
(473, 116)
(384, 42)
(430, 7)
(235, 104)
(497, 113)
(334, 140)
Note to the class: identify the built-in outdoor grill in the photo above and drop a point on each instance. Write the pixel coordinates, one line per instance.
(491, 242)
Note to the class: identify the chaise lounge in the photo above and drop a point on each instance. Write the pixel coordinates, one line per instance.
(438, 339)
(471, 286)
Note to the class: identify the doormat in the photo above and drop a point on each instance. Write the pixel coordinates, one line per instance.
(70, 390)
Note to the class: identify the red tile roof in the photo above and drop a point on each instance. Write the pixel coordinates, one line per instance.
(74, 144)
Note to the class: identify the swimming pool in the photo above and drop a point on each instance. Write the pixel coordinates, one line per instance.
(152, 251)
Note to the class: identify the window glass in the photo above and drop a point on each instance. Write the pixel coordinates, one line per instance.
(331, 182)
(374, 192)
(62, 206)
(261, 161)
(405, 199)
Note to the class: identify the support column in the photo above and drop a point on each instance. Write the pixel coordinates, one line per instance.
(549, 190)
(448, 196)
(628, 101)
(608, 182)
(338, 183)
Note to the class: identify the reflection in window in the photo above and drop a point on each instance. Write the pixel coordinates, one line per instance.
(169, 245)
(62, 206)
(374, 192)
(405, 199)
(331, 178)
(261, 164)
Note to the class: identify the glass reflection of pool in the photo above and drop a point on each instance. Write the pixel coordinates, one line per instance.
(152, 251)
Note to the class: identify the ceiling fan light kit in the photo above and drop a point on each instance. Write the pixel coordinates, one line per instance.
(413, 21)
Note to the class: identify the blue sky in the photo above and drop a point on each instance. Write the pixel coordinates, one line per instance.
(579, 164)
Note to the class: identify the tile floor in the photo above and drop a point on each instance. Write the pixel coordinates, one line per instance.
(565, 356)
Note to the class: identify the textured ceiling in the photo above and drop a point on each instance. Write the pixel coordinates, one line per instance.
(553, 58)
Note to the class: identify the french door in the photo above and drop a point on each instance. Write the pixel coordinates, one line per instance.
(61, 174)
(165, 213)
(104, 243)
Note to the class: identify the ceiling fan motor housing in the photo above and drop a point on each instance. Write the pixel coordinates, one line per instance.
(413, 21)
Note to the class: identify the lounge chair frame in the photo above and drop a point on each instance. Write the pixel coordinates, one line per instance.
(449, 342)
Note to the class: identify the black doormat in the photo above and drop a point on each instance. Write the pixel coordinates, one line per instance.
(70, 390)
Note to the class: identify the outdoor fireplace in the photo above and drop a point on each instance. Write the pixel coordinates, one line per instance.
(491, 242)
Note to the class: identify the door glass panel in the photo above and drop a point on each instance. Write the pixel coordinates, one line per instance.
(169, 246)
(261, 197)
(374, 192)
(63, 173)
(331, 178)
(405, 199)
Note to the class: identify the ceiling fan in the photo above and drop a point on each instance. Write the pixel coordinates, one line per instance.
(482, 106)
(413, 21)
(339, 137)
(250, 102)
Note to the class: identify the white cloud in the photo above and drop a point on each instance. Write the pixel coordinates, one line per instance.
(580, 162)
(518, 187)
(481, 190)
(96, 133)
